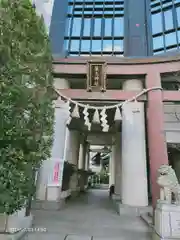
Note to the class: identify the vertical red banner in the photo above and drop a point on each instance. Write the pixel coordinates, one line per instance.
(56, 173)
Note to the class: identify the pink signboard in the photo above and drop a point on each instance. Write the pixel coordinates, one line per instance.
(56, 172)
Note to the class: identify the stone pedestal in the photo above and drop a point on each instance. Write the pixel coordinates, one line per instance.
(132, 211)
(167, 222)
(54, 199)
(50, 180)
(14, 226)
(116, 197)
(75, 189)
(48, 205)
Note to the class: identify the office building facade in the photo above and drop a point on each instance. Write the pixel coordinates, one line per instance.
(114, 27)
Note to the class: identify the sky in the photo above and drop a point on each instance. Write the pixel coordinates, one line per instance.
(45, 7)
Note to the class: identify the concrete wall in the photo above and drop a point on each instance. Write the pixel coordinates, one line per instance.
(171, 122)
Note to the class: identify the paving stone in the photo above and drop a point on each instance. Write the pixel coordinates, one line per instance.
(78, 237)
(91, 214)
(45, 236)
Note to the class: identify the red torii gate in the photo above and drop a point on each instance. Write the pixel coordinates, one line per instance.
(151, 68)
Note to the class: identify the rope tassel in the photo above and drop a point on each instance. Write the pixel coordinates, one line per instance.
(86, 118)
(104, 122)
(127, 111)
(105, 128)
(96, 117)
(89, 127)
(117, 116)
(86, 114)
(75, 113)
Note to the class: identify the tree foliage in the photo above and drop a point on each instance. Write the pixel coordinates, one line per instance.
(26, 94)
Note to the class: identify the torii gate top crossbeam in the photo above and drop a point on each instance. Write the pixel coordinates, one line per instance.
(114, 95)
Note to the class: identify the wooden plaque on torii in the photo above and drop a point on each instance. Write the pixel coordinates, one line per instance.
(96, 76)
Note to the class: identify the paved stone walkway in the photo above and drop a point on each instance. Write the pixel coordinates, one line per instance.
(90, 217)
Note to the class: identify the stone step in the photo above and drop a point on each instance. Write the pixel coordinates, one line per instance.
(48, 205)
(147, 218)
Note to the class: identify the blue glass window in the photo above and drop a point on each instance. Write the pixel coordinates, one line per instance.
(76, 28)
(165, 25)
(95, 27)
(87, 26)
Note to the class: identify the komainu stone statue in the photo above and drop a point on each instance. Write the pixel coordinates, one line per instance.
(169, 184)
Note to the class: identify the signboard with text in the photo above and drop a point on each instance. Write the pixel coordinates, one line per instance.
(56, 173)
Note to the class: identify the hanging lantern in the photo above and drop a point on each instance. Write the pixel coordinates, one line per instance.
(96, 117)
(117, 116)
(75, 113)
